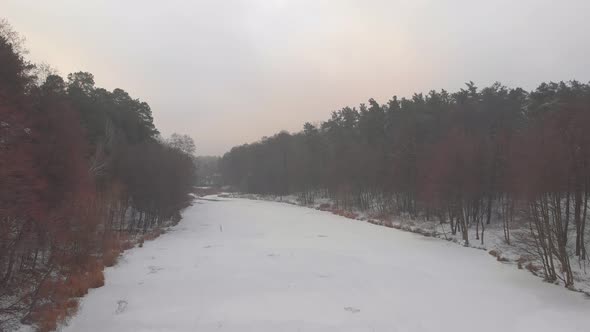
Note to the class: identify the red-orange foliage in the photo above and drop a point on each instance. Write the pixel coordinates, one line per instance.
(57, 304)
(152, 235)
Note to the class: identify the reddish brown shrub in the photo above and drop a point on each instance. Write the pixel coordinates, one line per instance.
(110, 257)
(57, 302)
(126, 245)
(521, 260)
(533, 268)
(95, 276)
(77, 286)
(153, 235)
(113, 246)
(345, 214)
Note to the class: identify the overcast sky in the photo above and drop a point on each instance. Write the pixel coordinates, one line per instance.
(228, 72)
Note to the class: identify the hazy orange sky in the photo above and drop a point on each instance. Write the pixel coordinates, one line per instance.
(229, 72)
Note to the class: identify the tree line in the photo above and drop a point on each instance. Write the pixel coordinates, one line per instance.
(83, 172)
(464, 159)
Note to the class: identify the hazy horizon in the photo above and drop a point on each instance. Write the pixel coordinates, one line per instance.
(228, 73)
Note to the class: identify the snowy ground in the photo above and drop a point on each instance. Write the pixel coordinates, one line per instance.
(243, 265)
(494, 240)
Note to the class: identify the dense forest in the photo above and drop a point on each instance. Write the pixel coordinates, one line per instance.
(84, 174)
(464, 159)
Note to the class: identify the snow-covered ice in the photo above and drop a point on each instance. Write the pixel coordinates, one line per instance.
(243, 265)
